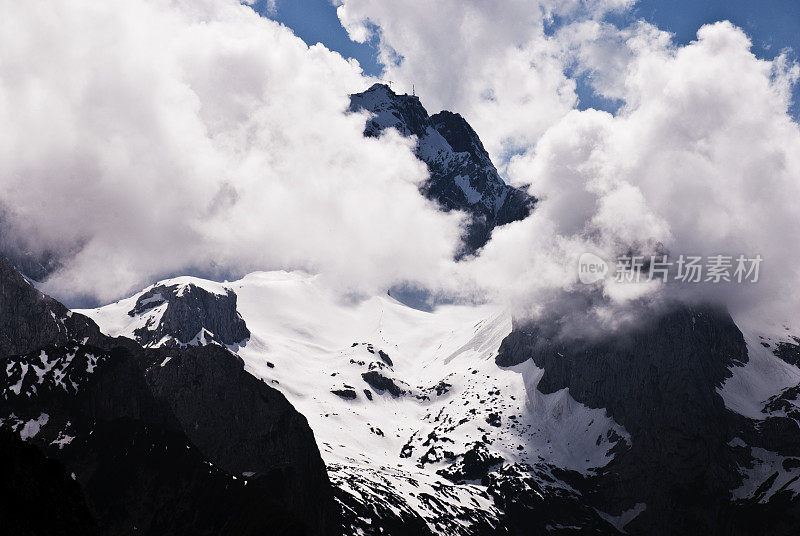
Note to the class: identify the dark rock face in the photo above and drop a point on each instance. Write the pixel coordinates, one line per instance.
(535, 500)
(133, 456)
(245, 427)
(190, 311)
(462, 176)
(659, 381)
(789, 352)
(143, 479)
(684, 351)
(31, 320)
(39, 497)
(157, 449)
(347, 394)
(385, 358)
(473, 465)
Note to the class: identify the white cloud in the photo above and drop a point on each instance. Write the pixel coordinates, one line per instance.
(703, 159)
(172, 136)
(493, 63)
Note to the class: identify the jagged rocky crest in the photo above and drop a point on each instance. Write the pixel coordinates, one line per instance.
(462, 176)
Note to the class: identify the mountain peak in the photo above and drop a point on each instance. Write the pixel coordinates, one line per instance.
(386, 89)
(462, 175)
(380, 87)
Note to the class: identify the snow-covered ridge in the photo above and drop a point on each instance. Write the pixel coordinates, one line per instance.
(182, 311)
(392, 389)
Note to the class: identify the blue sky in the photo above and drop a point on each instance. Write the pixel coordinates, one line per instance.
(773, 25)
(315, 21)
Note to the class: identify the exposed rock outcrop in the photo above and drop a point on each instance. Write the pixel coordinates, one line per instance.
(462, 176)
(659, 380)
(190, 312)
(31, 320)
(245, 427)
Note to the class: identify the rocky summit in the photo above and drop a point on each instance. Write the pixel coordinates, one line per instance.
(462, 175)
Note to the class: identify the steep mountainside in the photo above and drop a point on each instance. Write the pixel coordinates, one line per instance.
(31, 320)
(694, 466)
(462, 176)
(422, 433)
(39, 497)
(456, 422)
(146, 434)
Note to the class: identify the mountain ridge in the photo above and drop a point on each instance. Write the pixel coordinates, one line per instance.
(590, 433)
(462, 175)
(140, 429)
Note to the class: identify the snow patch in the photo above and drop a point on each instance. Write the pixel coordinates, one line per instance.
(33, 426)
(763, 376)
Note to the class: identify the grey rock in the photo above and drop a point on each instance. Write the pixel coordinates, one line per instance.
(189, 310)
(474, 464)
(30, 320)
(380, 383)
(244, 426)
(347, 394)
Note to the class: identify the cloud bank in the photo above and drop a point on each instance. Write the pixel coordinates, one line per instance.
(160, 137)
(164, 137)
(701, 159)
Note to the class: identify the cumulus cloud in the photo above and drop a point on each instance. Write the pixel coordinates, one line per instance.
(498, 65)
(161, 137)
(165, 137)
(703, 159)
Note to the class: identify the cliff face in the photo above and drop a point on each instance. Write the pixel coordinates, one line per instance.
(660, 380)
(31, 320)
(245, 427)
(188, 313)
